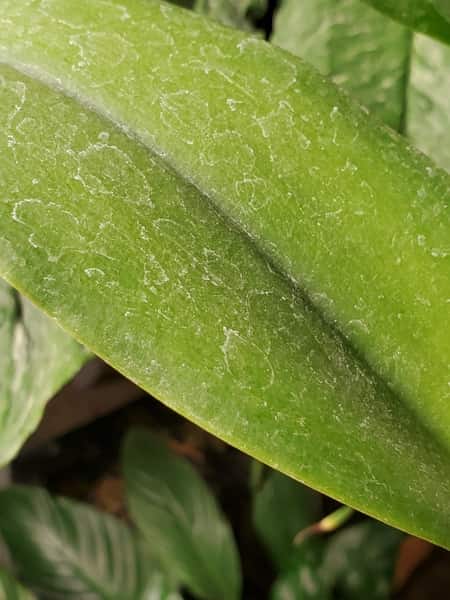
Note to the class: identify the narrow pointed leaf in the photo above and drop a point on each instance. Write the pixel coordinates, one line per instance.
(64, 549)
(212, 252)
(425, 16)
(10, 589)
(36, 358)
(180, 519)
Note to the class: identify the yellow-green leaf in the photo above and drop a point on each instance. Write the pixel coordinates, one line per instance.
(226, 228)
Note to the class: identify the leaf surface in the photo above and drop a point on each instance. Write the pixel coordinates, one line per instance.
(425, 16)
(361, 49)
(209, 212)
(404, 78)
(64, 549)
(180, 519)
(37, 358)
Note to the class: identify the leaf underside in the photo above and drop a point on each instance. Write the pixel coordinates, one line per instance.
(183, 258)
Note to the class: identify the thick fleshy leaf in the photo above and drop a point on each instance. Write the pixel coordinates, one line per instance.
(282, 507)
(10, 589)
(64, 549)
(212, 259)
(402, 77)
(179, 518)
(36, 358)
(420, 15)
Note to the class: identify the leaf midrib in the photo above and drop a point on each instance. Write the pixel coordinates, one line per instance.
(165, 160)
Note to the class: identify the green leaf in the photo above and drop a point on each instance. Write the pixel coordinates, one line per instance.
(443, 7)
(180, 519)
(64, 549)
(428, 116)
(403, 78)
(229, 230)
(305, 582)
(359, 48)
(10, 589)
(424, 16)
(282, 508)
(359, 561)
(356, 562)
(37, 358)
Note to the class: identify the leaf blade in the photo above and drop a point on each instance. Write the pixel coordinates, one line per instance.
(65, 549)
(420, 15)
(180, 519)
(359, 48)
(256, 348)
(38, 357)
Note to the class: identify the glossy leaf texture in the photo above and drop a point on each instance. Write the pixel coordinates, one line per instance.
(402, 77)
(64, 549)
(10, 589)
(180, 519)
(36, 358)
(425, 16)
(210, 210)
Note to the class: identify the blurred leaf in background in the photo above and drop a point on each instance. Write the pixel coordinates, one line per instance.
(428, 16)
(356, 562)
(180, 519)
(36, 358)
(401, 76)
(63, 549)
